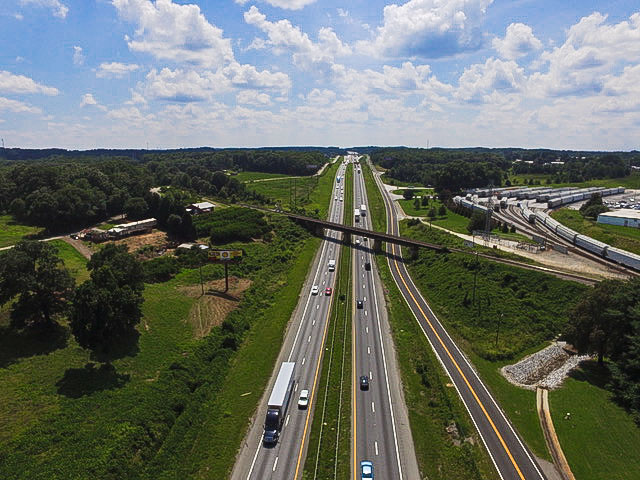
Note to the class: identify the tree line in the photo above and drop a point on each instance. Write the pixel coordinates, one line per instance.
(457, 169)
(62, 193)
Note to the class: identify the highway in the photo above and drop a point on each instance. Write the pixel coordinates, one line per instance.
(380, 429)
(303, 344)
(510, 456)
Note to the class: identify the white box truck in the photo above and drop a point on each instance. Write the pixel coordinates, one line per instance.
(332, 265)
(356, 214)
(363, 210)
(278, 403)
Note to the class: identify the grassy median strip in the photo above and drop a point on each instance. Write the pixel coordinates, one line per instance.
(330, 440)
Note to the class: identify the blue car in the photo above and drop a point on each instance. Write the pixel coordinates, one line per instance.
(366, 469)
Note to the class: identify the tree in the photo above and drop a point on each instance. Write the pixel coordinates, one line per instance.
(425, 200)
(174, 224)
(136, 208)
(17, 208)
(107, 307)
(34, 273)
(408, 194)
(442, 211)
(598, 323)
(476, 222)
(416, 203)
(593, 207)
(432, 213)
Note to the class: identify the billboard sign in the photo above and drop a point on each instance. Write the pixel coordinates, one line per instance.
(225, 256)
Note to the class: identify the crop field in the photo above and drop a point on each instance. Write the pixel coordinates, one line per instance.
(73, 260)
(626, 238)
(12, 232)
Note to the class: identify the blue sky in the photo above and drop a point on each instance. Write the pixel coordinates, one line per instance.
(186, 73)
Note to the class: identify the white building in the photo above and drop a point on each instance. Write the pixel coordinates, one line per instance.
(625, 217)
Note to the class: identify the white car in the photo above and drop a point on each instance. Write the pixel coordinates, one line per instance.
(357, 241)
(303, 401)
(314, 290)
(340, 198)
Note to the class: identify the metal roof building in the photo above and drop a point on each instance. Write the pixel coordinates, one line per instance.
(626, 217)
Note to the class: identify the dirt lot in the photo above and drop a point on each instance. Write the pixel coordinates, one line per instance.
(155, 238)
(213, 307)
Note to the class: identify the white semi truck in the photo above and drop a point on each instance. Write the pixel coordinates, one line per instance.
(278, 403)
(363, 210)
(356, 214)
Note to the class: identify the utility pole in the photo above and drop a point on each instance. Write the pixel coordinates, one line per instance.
(487, 223)
(498, 329)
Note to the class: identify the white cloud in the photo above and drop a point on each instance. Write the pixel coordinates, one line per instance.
(343, 13)
(78, 57)
(174, 32)
(186, 86)
(19, 84)
(59, 9)
(481, 82)
(253, 97)
(283, 36)
(517, 42)
(115, 69)
(130, 115)
(428, 29)
(88, 100)
(592, 50)
(17, 107)
(285, 4)
(18, 16)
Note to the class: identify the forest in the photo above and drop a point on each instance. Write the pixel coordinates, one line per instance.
(65, 192)
(456, 169)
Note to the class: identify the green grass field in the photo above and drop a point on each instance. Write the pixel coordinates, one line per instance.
(596, 425)
(618, 236)
(377, 211)
(73, 260)
(12, 232)
(310, 193)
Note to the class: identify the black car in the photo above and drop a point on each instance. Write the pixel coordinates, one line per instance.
(364, 382)
(359, 304)
(367, 266)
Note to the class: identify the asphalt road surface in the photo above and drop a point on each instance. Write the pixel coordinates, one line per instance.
(511, 457)
(303, 344)
(375, 435)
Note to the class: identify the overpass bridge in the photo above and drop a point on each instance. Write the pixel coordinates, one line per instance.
(318, 226)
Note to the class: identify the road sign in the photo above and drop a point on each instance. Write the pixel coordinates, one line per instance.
(219, 256)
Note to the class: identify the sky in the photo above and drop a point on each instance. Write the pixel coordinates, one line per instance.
(85, 74)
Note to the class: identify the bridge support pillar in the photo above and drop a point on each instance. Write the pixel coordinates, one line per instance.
(377, 245)
(346, 238)
(319, 231)
(413, 252)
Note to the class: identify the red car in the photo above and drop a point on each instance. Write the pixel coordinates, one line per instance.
(328, 291)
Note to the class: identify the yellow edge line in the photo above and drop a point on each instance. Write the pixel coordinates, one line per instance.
(495, 429)
(315, 378)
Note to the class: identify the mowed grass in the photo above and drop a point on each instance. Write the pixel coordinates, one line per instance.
(377, 211)
(597, 426)
(73, 260)
(12, 232)
(626, 238)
